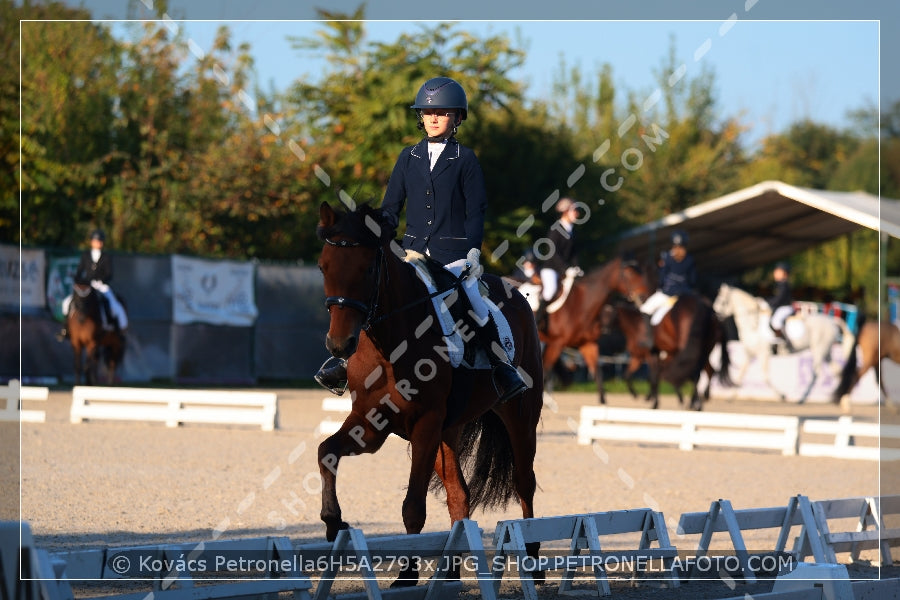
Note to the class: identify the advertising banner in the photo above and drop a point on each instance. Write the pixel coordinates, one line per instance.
(218, 292)
(29, 272)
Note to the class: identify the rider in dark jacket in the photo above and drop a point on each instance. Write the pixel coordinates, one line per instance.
(440, 183)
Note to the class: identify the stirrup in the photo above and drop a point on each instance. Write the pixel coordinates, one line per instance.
(507, 382)
(332, 375)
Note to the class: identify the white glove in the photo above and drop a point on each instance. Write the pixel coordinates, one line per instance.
(99, 286)
(574, 272)
(475, 268)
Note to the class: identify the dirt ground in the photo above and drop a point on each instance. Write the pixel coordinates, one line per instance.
(100, 484)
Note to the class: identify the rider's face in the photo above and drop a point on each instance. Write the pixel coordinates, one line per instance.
(438, 122)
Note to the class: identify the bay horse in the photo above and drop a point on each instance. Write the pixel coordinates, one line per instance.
(576, 324)
(90, 342)
(816, 332)
(682, 343)
(876, 341)
(402, 382)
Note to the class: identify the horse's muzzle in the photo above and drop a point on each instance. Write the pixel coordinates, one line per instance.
(341, 348)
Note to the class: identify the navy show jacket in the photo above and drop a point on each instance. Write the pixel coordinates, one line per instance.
(445, 207)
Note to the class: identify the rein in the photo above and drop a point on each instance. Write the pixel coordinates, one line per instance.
(369, 309)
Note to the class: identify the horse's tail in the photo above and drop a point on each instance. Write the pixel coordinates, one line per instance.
(724, 373)
(848, 373)
(689, 361)
(485, 453)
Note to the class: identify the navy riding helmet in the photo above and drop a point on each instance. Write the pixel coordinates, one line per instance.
(442, 92)
(679, 238)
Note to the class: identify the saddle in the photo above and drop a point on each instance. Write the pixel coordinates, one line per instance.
(563, 292)
(453, 308)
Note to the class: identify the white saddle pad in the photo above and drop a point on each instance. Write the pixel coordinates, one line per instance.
(455, 344)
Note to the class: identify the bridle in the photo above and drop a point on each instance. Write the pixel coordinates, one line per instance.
(366, 308)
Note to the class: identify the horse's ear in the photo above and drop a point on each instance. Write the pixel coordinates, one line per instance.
(326, 215)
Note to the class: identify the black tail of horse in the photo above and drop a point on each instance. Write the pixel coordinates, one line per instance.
(486, 457)
(690, 361)
(848, 373)
(724, 373)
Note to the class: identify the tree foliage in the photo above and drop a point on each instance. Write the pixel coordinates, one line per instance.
(172, 148)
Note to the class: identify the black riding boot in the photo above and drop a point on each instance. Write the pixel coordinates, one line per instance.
(332, 375)
(507, 381)
(779, 333)
(647, 339)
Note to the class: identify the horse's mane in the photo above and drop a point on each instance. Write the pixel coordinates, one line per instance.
(364, 224)
(627, 261)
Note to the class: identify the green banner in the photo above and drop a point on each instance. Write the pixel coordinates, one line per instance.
(60, 275)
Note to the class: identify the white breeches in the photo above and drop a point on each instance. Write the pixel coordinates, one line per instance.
(656, 301)
(780, 315)
(549, 283)
(470, 286)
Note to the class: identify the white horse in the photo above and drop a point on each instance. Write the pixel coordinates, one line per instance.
(817, 332)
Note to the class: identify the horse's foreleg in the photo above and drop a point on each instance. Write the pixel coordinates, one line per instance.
(425, 441)
(90, 373)
(76, 363)
(591, 354)
(356, 436)
(552, 352)
(634, 363)
(654, 369)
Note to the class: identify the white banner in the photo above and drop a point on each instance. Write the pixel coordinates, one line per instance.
(789, 376)
(30, 272)
(216, 292)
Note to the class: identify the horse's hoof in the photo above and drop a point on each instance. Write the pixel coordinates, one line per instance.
(331, 531)
(540, 577)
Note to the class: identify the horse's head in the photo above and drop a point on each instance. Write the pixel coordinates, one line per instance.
(722, 303)
(632, 283)
(351, 265)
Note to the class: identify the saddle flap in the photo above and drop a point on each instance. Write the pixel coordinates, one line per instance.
(452, 307)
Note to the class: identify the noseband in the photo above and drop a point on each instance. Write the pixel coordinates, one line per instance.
(367, 309)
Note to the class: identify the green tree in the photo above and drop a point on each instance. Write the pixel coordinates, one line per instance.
(67, 106)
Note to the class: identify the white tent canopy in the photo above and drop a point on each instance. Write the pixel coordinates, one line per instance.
(763, 223)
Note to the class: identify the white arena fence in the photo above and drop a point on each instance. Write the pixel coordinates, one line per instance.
(14, 395)
(690, 429)
(274, 565)
(174, 407)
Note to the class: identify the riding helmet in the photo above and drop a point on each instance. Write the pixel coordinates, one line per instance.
(784, 266)
(442, 92)
(98, 234)
(679, 238)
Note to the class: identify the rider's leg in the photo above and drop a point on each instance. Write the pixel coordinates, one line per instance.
(507, 381)
(116, 310)
(650, 306)
(63, 333)
(777, 325)
(549, 285)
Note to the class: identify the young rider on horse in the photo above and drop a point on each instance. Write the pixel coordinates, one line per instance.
(563, 254)
(677, 276)
(95, 268)
(781, 302)
(441, 183)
